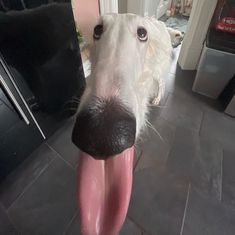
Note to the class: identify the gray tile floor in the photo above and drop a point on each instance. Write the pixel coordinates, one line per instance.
(184, 178)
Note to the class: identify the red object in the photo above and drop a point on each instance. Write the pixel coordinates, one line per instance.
(224, 16)
(227, 24)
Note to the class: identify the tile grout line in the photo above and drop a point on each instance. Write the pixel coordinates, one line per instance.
(70, 222)
(185, 210)
(29, 185)
(60, 157)
(9, 218)
(177, 125)
(137, 225)
(138, 159)
(200, 128)
(221, 187)
(185, 115)
(171, 146)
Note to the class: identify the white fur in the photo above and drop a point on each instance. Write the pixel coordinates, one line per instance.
(126, 68)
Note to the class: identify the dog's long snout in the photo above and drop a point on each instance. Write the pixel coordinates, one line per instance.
(104, 128)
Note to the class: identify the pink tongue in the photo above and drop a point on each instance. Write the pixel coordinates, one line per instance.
(104, 189)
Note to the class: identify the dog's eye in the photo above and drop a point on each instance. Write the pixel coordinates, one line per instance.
(98, 30)
(142, 34)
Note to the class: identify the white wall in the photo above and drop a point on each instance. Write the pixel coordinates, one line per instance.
(86, 13)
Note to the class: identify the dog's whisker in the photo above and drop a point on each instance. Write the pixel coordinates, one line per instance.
(73, 101)
(149, 124)
(71, 109)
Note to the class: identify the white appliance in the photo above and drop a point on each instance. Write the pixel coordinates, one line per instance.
(217, 63)
(215, 70)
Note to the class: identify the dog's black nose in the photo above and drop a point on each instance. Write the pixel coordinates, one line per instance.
(104, 128)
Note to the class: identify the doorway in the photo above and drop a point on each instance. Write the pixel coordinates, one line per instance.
(176, 15)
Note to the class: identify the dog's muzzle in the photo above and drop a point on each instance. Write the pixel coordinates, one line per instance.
(104, 128)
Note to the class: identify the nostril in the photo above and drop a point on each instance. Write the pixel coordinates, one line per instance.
(104, 128)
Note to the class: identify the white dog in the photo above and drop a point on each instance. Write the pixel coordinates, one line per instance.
(129, 58)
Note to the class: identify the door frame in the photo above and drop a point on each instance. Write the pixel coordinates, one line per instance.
(199, 21)
(108, 6)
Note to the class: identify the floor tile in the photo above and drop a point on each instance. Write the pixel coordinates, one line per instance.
(180, 83)
(155, 144)
(129, 228)
(228, 195)
(206, 173)
(25, 174)
(12, 147)
(137, 156)
(6, 227)
(219, 126)
(184, 80)
(61, 142)
(162, 128)
(49, 204)
(158, 201)
(184, 150)
(204, 216)
(181, 111)
(74, 227)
